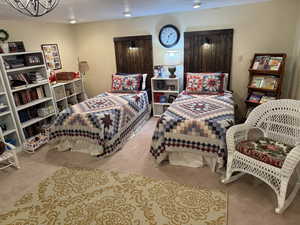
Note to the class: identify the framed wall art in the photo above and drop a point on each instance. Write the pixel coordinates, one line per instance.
(52, 56)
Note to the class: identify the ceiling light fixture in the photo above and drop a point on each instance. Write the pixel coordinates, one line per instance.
(33, 8)
(127, 14)
(197, 4)
(72, 21)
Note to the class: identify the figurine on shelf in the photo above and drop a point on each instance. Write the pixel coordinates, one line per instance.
(52, 77)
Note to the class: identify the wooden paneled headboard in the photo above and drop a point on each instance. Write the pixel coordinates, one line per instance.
(208, 51)
(134, 55)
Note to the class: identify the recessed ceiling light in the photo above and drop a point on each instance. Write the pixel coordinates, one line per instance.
(127, 14)
(72, 21)
(197, 4)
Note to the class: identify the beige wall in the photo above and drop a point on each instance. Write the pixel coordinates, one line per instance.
(34, 34)
(263, 27)
(293, 84)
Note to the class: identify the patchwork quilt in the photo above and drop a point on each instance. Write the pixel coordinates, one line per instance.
(194, 123)
(101, 124)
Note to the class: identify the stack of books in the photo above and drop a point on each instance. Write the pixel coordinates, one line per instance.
(24, 97)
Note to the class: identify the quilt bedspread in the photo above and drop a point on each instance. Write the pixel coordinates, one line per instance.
(103, 122)
(194, 123)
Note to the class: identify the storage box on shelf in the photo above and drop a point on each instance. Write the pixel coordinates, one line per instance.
(164, 92)
(68, 93)
(29, 91)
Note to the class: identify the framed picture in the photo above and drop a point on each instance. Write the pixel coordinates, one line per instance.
(52, 56)
(34, 59)
(17, 46)
(171, 98)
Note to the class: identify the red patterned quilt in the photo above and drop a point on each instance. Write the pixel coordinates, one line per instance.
(194, 123)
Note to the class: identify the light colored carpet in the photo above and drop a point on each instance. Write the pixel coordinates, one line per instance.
(90, 197)
(251, 202)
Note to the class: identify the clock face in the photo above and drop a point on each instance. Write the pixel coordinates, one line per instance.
(169, 36)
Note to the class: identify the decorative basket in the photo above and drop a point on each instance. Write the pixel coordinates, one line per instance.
(35, 142)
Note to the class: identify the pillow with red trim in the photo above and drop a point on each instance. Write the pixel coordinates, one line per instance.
(205, 83)
(126, 83)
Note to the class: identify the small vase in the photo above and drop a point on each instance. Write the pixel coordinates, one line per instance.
(4, 47)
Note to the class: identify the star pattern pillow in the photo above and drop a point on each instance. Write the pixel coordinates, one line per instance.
(205, 83)
(124, 83)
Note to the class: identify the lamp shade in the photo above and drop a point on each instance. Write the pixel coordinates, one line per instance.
(172, 58)
(83, 67)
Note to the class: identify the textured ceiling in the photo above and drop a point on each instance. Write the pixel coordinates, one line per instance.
(97, 10)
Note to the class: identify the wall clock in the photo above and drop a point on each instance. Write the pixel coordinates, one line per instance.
(169, 36)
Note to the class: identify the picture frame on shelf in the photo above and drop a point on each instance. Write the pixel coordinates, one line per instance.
(171, 98)
(16, 46)
(52, 56)
(34, 59)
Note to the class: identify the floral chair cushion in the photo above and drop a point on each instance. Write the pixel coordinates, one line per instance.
(265, 150)
(205, 83)
(126, 83)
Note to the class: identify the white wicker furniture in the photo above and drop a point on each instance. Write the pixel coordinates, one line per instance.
(9, 157)
(278, 120)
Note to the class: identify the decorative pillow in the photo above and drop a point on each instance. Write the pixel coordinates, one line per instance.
(205, 83)
(126, 83)
(143, 80)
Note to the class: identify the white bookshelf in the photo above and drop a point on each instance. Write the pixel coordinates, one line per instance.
(10, 134)
(46, 100)
(68, 93)
(171, 87)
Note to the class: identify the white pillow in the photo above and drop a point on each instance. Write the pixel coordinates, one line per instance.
(144, 81)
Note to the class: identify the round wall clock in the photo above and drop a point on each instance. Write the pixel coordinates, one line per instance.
(169, 36)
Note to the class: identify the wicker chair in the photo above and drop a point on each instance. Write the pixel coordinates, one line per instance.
(278, 122)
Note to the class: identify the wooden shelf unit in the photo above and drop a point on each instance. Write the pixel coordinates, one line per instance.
(159, 107)
(67, 93)
(32, 105)
(276, 92)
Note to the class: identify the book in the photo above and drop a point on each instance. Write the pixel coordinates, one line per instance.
(267, 63)
(40, 92)
(270, 83)
(255, 97)
(257, 82)
(274, 63)
(265, 99)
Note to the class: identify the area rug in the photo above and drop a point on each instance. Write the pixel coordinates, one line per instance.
(95, 197)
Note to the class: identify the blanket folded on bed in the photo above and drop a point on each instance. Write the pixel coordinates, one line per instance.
(100, 125)
(194, 123)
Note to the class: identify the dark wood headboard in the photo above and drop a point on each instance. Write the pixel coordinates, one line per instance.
(208, 51)
(134, 55)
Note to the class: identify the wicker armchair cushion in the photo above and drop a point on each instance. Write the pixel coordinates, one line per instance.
(265, 150)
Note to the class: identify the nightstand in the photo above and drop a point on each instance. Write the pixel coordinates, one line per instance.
(164, 91)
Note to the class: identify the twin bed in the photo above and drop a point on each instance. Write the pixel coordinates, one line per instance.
(101, 125)
(192, 131)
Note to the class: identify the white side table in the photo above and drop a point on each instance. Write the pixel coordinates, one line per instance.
(163, 86)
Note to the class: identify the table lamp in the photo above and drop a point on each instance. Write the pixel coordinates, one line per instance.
(83, 67)
(172, 59)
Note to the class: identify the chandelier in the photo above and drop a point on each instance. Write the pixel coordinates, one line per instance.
(34, 8)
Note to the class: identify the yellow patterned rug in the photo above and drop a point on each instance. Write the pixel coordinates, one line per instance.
(92, 197)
